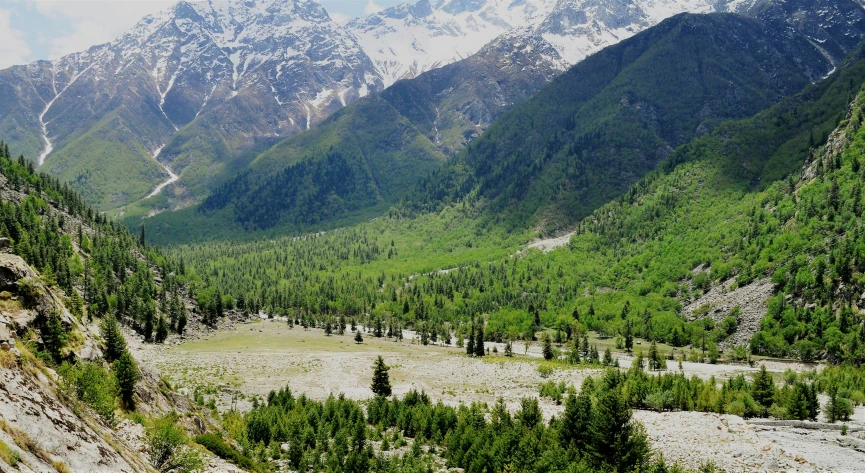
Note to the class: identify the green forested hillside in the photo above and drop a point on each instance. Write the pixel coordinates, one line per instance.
(591, 133)
(102, 269)
(366, 156)
(375, 149)
(732, 202)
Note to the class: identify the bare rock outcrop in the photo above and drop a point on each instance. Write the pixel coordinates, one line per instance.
(722, 299)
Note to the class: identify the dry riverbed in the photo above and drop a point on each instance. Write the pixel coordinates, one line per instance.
(231, 366)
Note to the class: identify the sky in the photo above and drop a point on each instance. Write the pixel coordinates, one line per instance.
(47, 29)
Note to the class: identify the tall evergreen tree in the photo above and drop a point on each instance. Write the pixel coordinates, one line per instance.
(126, 375)
(479, 340)
(629, 336)
(380, 378)
(161, 330)
(615, 440)
(548, 347)
(115, 343)
(574, 429)
(53, 335)
(763, 389)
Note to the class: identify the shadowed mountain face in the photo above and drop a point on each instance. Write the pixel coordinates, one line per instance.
(592, 132)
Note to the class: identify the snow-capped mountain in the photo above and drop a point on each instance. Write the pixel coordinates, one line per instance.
(234, 70)
(406, 40)
(189, 96)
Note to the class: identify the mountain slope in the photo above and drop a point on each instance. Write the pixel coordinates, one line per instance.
(433, 115)
(592, 132)
(407, 40)
(774, 196)
(346, 166)
(194, 90)
(232, 72)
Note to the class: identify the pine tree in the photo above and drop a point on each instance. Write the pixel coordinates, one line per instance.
(181, 322)
(509, 350)
(358, 338)
(548, 348)
(837, 408)
(53, 335)
(126, 375)
(380, 378)
(629, 337)
(574, 431)
(148, 325)
(654, 357)
(161, 330)
(608, 357)
(479, 340)
(115, 343)
(424, 334)
(763, 389)
(470, 343)
(614, 439)
(813, 402)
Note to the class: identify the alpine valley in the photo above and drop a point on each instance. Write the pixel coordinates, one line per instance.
(462, 236)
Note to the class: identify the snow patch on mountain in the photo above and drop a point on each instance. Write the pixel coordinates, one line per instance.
(406, 40)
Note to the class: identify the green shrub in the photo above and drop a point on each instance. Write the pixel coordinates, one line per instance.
(90, 383)
(218, 447)
(169, 448)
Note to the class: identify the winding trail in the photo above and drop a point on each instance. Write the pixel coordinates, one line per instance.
(172, 178)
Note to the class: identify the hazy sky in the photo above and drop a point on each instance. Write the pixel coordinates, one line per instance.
(47, 29)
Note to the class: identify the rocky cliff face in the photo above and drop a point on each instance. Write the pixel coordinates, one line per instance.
(45, 425)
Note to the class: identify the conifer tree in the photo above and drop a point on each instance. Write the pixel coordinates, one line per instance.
(614, 439)
(181, 323)
(574, 431)
(148, 325)
(115, 343)
(380, 378)
(126, 375)
(629, 337)
(654, 357)
(470, 343)
(479, 340)
(763, 389)
(161, 330)
(358, 338)
(53, 335)
(608, 357)
(548, 348)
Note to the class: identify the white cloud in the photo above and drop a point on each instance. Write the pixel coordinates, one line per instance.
(13, 45)
(339, 18)
(372, 7)
(94, 21)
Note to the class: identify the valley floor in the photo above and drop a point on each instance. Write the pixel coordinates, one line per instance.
(231, 366)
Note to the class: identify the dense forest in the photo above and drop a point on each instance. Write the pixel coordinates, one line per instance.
(629, 265)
